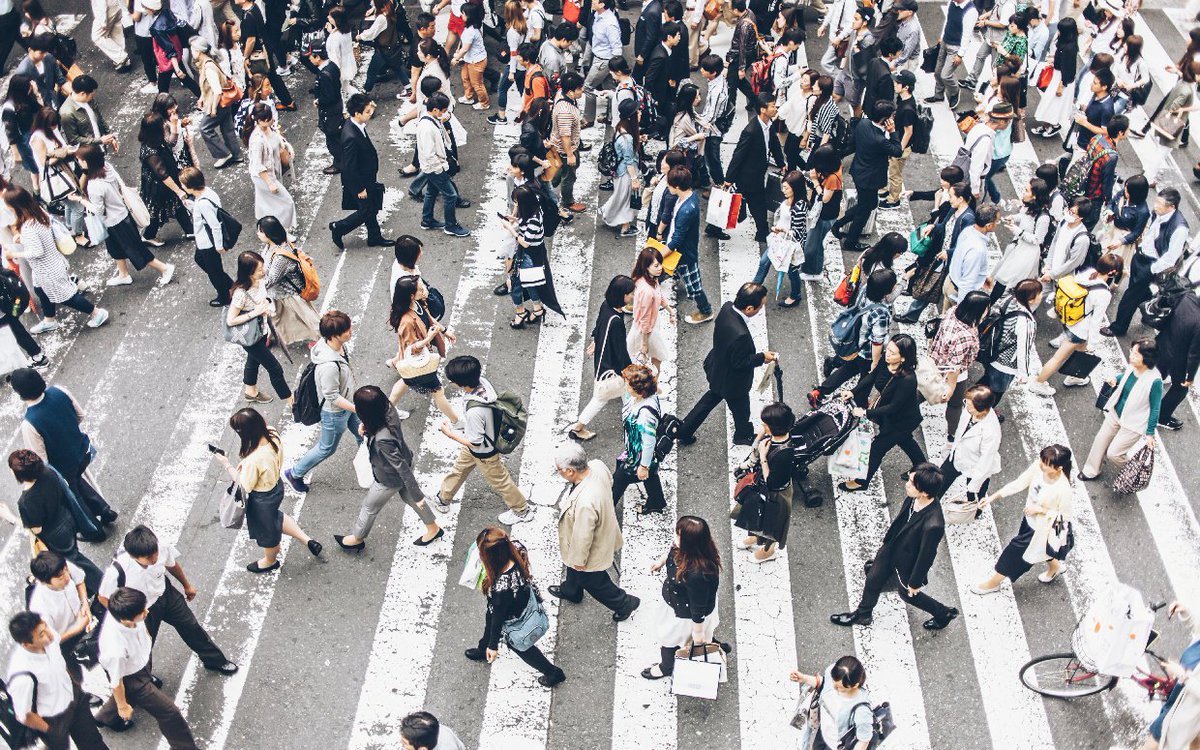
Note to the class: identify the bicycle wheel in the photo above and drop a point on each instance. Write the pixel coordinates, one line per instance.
(1063, 676)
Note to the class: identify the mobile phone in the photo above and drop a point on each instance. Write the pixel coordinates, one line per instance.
(214, 449)
(502, 216)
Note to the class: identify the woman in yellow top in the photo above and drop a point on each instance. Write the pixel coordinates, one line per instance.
(258, 476)
(1048, 498)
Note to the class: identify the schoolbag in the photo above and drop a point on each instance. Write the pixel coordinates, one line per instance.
(839, 135)
(991, 333)
(844, 333)
(306, 404)
(231, 228)
(669, 427)
(922, 130)
(12, 731)
(1070, 300)
(14, 297)
(1074, 180)
(551, 84)
(647, 107)
(511, 420)
(606, 160)
(760, 73)
(312, 282)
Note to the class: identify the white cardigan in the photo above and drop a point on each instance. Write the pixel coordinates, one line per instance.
(976, 451)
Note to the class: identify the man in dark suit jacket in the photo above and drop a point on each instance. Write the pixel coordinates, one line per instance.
(906, 554)
(327, 88)
(748, 165)
(658, 82)
(361, 190)
(680, 66)
(646, 35)
(880, 86)
(730, 365)
(873, 146)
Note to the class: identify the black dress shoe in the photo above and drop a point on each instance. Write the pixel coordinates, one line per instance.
(552, 679)
(937, 623)
(314, 547)
(254, 567)
(720, 234)
(475, 654)
(331, 170)
(622, 616)
(846, 619)
(227, 668)
(156, 681)
(743, 440)
(118, 724)
(109, 517)
(217, 302)
(556, 591)
(349, 547)
(379, 242)
(607, 185)
(463, 203)
(501, 289)
(687, 439)
(337, 236)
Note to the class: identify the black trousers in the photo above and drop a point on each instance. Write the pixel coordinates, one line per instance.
(739, 406)
(598, 584)
(740, 84)
(333, 143)
(949, 474)
(843, 371)
(27, 342)
(89, 496)
(141, 693)
(366, 214)
(164, 82)
(209, 261)
(10, 30)
(145, 50)
(533, 657)
(1173, 397)
(92, 575)
(623, 477)
(258, 356)
(1137, 293)
(882, 576)
(172, 608)
(883, 444)
(756, 205)
(75, 723)
(857, 217)
(182, 215)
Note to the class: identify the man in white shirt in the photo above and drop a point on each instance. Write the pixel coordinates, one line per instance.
(142, 565)
(1160, 250)
(606, 44)
(837, 23)
(58, 594)
(125, 655)
(210, 241)
(421, 730)
(44, 696)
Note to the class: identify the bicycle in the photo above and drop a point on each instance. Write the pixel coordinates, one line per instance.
(1067, 675)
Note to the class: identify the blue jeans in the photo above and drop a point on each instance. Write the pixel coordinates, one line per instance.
(989, 185)
(503, 85)
(517, 292)
(793, 274)
(814, 247)
(435, 185)
(333, 424)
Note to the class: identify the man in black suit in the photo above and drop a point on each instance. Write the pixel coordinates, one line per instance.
(906, 554)
(730, 365)
(680, 66)
(880, 87)
(873, 146)
(331, 116)
(646, 36)
(361, 190)
(748, 165)
(658, 82)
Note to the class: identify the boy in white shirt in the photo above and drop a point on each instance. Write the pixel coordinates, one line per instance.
(59, 596)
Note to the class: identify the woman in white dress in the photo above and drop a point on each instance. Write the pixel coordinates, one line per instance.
(1058, 100)
(1023, 257)
(618, 211)
(266, 152)
(340, 47)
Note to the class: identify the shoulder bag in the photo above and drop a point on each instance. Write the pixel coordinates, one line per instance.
(523, 631)
(233, 507)
(133, 201)
(244, 334)
(609, 385)
(926, 284)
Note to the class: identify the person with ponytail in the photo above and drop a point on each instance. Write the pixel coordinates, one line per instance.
(841, 697)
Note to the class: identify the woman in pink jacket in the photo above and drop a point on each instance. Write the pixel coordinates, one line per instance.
(645, 339)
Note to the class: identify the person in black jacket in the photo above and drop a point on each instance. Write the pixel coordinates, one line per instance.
(646, 35)
(331, 116)
(907, 554)
(610, 353)
(658, 80)
(1179, 357)
(361, 188)
(758, 147)
(873, 146)
(766, 519)
(507, 586)
(680, 67)
(880, 86)
(690, 589)
(743, 53)
(730, 365)
(897, 410)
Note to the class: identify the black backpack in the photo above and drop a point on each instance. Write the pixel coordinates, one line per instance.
(14, 297)
(606, 161)
(626, 29)
(231, 228)
(14, 733)
(991, 333)
(669, 427)
(922, 131)
(840, 136)
(306, 406)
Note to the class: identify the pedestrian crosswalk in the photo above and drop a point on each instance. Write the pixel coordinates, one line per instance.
(335, 651)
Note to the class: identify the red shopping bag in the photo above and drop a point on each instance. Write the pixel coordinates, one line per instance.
(735, 211)
(570, 12)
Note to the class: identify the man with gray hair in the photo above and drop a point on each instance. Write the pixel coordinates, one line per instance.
(588, 533)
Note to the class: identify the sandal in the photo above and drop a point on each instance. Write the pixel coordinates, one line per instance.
(519, 321)
(649, 674)
(536, 317)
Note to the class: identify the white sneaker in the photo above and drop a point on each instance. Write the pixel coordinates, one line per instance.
(222, 161)
(119, 281)
(1040, 389)
(1057, 341)
(441, 505)
(811, 277)
(508, 518)
(46, 326)
(284, 71)
(481, 106)
(99, 318)
(466, 100)
(167, 275)
(403, 413)
(149, 88)
(1073, 382)
(1051, 313)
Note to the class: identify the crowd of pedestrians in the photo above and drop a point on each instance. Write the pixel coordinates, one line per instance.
(1080, 235)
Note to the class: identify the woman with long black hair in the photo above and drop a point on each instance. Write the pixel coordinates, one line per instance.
(257, 474)
(1022, 258)
(249, 302)
(508, 587)
(391, 470)
(537, 285)
(689, 593)
(417, 331)
(160, 187)
(609, 351)
(686, 132)
(618, 211)
(21, 104)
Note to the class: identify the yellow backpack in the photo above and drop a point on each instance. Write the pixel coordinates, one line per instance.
(1070, 300)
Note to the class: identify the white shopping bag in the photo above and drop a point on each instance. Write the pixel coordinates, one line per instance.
(1112, 636)
(472, 572)
(850, 459)
(362, 466)
(783, 251)
(12, 356)
(720, 208)
(698, 676)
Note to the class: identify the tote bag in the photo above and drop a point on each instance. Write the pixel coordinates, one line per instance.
(362, 466)
(137, 207)
(12, 356)
(697, 675)
(233, 507)
(931, 382)
(1135, 475)
(850, 459)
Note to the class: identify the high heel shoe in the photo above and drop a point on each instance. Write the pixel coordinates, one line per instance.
(349, 547)
(519, 321)
(314, 547)
(536, 317)
(422, 542)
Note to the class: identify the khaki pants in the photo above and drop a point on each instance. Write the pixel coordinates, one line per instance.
(896, 175)
(694, 41)
(1113, 442)
(472, 80)
(493, 471)
(107, 32)
(948, 290)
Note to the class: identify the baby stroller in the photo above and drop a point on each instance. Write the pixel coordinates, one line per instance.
(816, 434)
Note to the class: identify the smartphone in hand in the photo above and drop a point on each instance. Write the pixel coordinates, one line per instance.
(214, 449)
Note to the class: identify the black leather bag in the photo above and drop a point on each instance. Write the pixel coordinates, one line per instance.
(929, 58)
(1079, 365)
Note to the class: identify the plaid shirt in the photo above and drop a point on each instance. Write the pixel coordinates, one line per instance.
(1100, 152)
(955, 346)
(876, 321)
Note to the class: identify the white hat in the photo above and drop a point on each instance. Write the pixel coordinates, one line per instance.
(1116, 6)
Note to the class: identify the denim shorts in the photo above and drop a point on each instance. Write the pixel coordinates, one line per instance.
(1072, 337)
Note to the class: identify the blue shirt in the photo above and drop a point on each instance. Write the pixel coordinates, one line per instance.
(606, 36)
(969, 262)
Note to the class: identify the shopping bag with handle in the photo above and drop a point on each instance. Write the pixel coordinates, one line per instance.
(1112, 636)
(723, 208)
(850, 459)
(697, 675)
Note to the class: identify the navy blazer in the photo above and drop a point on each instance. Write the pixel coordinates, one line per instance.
(872, 148)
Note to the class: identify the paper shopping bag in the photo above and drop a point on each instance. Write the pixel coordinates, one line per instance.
(723, 208)
(697, 677)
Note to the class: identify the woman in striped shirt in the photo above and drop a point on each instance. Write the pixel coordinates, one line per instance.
(531, 277)
(785, 244)
(821, 116)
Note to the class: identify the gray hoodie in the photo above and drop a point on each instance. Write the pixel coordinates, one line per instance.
(479, 425)
(333, 376)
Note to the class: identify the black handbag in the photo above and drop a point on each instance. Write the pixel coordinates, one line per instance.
(1105, 393)
(1079, 365)
(927, 282)
(929, 58)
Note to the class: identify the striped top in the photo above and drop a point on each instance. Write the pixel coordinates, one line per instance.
(49, 267)
(565, 124)
(532, 231)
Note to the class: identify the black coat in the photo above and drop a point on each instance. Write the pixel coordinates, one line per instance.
(911, 544)
(879, 86)
(612, 353)
(1179, 342)
(898, 407)
(731, 362)
(648, 31)
(748, 165)
(657, 75)
(327, 89)
(872, 148)
(360, 164)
